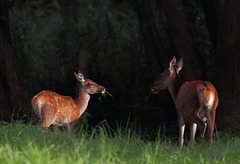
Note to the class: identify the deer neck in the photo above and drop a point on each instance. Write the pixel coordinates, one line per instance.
(174, 86)
(82, 99)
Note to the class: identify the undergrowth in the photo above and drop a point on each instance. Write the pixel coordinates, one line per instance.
(25, 143)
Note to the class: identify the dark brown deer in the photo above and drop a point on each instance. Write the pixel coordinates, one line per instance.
(195, 101)
(52, 108)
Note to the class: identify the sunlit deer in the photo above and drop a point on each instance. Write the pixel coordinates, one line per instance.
(195, 101)
(52, 108)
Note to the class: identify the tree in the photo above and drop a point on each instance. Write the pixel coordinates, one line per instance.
(14, 100)
(153, 45)
(223, 25)
(224, 28)
(181, 38)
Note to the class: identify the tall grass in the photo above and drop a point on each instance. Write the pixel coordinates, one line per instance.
(21, 143)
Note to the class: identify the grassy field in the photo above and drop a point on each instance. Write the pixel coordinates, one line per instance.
(21, 143)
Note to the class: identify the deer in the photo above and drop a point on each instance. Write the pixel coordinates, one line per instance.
(195, 101)
(53, 108)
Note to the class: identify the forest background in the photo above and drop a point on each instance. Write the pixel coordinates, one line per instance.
(123, 45)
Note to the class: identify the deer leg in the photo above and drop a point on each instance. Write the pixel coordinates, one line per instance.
(55, 128)
(193, 129)
(47, 117)
(210, 122)
(71, 128)
(202, 126)
(213, 114)
(47, 120)
(181, 125)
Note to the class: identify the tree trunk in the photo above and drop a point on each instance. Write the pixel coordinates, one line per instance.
(155, 53)
(154, 50)
(228, 63)
(181, 39)
(15, 102)
(211, 19)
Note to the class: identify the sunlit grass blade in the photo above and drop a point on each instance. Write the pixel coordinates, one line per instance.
(108, 93)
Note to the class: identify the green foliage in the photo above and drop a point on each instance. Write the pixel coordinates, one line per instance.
(50, 35)
(200, 35)
(21, 143)
(233, 126)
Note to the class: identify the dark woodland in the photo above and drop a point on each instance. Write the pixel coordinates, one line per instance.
(123, 45)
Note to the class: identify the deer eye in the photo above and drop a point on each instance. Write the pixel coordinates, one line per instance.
(90, 84)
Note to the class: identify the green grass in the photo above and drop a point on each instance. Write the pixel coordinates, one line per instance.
(21, 143)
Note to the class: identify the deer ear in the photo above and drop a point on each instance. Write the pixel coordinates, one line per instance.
(79, 76)
(172, 63)
(179, 65)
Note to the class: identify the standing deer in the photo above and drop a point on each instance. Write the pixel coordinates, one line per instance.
(52, 108)
(195, 101)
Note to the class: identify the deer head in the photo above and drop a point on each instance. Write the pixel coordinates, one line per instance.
(168, 76)
(88, 85)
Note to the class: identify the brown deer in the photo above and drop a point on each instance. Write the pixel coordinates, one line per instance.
(195, 101)
(52, 108)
